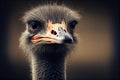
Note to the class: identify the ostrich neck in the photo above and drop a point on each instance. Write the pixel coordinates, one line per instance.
(48, 67)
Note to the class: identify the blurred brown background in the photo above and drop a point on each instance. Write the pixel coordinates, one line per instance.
(93, 57)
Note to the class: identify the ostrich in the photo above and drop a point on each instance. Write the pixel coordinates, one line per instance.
(48, 39)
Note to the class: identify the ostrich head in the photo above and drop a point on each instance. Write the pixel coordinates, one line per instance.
(48, 37)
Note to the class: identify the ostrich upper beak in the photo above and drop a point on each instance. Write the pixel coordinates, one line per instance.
(55, 33)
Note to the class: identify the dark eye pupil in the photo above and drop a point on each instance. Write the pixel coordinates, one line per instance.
(34, 25)
(72, 24)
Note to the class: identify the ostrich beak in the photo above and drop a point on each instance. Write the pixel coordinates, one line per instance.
(55, 33)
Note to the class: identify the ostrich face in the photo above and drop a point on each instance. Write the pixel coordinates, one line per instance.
(49, 25)
(50, 33)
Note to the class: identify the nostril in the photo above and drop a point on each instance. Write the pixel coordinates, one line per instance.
(64, 30)
(67, 40)
(53, 32)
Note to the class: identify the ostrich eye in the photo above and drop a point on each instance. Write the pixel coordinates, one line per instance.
(72, 24)
(34, 25)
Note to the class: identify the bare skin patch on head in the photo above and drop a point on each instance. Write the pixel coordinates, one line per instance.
(55, 29)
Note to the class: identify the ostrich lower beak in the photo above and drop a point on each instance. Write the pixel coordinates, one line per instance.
(50, 40)
(37, 39)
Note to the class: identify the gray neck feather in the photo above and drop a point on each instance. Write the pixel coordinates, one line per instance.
(42, 70)
(48, 68)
